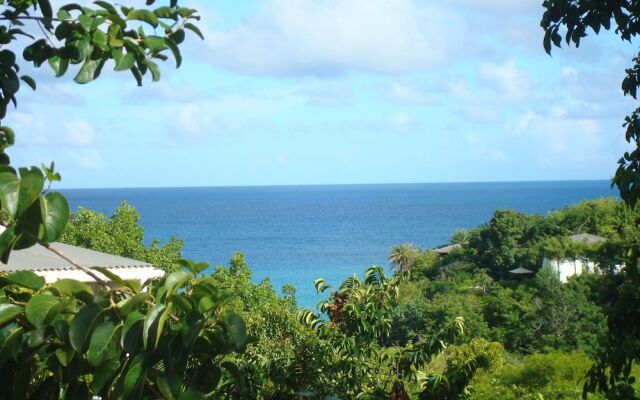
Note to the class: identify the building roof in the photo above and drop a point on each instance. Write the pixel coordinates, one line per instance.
(521, 270)
(587, 237)
(447, 249)
(48, 264)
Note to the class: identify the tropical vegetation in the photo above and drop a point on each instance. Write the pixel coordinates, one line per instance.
(455, 326)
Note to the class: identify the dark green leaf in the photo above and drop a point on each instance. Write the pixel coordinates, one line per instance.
(237, 329)
(130, 304)
(70, 287)
(151, 321)
(87, 72)
(8, 312)
(57, 215)
(42, 307)
(29, 81)
(103, 337)
(82, 326)
(143, 15)
(194, 29)
(9, 193)
(125, 63)
(27, 279)
(31, 184)
(59, 65)
(175, 50)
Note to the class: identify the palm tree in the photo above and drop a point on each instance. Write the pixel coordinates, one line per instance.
(402, 256)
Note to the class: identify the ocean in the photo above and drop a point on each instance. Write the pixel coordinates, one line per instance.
(295, 234)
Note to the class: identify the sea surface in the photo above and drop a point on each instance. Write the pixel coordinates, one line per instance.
(295, 234)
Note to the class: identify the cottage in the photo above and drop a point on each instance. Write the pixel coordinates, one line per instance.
(52, 267)
(571, 267)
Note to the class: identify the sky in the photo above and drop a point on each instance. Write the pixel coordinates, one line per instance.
(286, 92)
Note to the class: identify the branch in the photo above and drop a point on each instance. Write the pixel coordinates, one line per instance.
(77, 265)
(29, 17)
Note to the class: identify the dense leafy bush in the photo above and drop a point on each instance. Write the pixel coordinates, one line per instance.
(121, 235)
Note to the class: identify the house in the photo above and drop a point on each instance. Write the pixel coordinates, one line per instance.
(571, 267)
(446, 250)
(52, 267)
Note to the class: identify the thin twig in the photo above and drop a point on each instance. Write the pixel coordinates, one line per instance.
(77, 265)
(30, 17)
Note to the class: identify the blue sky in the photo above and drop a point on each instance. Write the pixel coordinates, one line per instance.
(341, 91)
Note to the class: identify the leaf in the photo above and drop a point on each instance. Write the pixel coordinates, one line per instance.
(29, 81)
(153, 43)
(104, 374)
(130, 304)
(8, 312)
(107, 6)
(175, 50)
(7, 241)
(9, 193)
(104, 335)
(31, 184)
(70, 287)
(237, 329)
(125, 63)
(87, 72)
(132, 379)
(42, 307)
(100, 39)
(82, 325)
(59, 65)
(113, 277)
(27, 279)
(143, 15)
(155, 71)
(181, 302)
(194, 29)
(175, 279)
(57, 215)
(47, 13)
(152, 320)
(11, 344)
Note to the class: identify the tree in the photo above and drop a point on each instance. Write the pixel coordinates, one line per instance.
(67, 340)
(121, 235)
(574, 19)
(402, 256)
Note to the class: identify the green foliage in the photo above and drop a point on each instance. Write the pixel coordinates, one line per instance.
(426, 265)
(538, 376)
(68, 341)
(575, 18)
(121, 235)
(402, 257)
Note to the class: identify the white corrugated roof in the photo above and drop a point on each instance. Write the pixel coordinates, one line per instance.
(39, 258)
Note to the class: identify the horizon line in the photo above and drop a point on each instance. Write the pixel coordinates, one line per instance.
(337, 184)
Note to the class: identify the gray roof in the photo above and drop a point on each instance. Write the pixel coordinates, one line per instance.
(38, 258)
(447, 249)
(587, 237)
(521, 270)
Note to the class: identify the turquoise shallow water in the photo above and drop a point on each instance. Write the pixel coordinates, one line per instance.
(294, 234)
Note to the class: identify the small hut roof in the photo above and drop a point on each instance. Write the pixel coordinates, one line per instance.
(521, 270)
(447, 249)
(587, 237)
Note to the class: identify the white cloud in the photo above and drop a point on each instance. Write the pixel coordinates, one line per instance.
(86, 158)
(405, 94)
(569, 72)
(513, 82)
(400, 122)
(310, 37)
(79, 132)
(559, 140)
(482, 146)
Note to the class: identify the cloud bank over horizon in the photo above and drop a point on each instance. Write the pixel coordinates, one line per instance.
(342, 91)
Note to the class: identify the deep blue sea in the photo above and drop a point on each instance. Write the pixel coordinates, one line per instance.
(295, 234)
